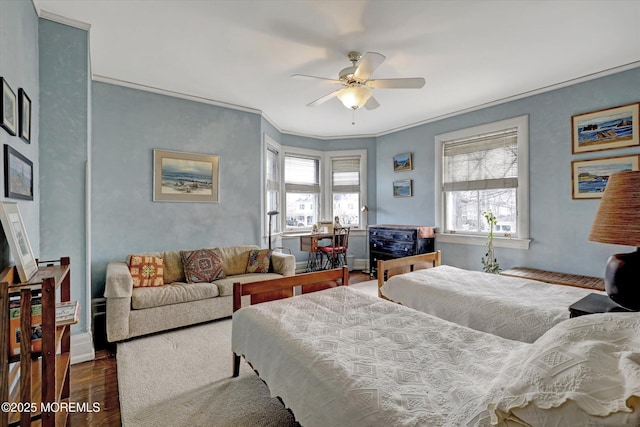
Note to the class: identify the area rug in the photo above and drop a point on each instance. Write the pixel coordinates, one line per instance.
(183, 378)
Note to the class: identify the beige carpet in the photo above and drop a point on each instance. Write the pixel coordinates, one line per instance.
(183, 378)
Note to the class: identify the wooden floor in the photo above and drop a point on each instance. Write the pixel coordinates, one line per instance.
(97, 381)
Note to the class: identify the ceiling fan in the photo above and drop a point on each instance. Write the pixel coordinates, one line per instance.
(357, 82)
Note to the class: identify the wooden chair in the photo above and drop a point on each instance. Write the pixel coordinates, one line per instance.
(336, 252)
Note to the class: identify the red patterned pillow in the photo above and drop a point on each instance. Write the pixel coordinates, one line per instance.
(146, 270)
(259, 261)
(202, 265)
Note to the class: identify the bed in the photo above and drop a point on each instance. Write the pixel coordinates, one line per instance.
(339, 357)
(510, 307)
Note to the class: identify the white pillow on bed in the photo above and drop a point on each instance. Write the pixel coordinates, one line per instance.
(583, 371)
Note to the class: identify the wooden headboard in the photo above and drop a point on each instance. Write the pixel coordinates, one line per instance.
(268, 290)
(389, 268)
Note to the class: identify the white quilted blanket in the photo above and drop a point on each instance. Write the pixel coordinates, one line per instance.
(343, 358)
(510, 307)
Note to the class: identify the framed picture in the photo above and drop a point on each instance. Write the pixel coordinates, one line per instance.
(24, 108)
(18, 241)
(605, 129)
(403, 188)
(589, 177)
(8, 108)
(185, 177)
(402, 162)
(18, 175)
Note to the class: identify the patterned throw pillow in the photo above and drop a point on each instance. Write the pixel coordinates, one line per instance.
(202, 265)
(146, 271)
(259, 261)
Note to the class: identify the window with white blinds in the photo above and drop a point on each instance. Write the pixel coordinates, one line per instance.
(484, 169)
(302, 191)
(345, 190)
(482, 162)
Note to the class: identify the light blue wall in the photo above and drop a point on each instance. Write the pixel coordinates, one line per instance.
(559, 225)
(64, 112)
(128, 124)
(19, 67)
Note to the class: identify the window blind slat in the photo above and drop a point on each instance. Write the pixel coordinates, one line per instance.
(486, 184)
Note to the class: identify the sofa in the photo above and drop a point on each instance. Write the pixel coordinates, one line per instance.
(134, 311)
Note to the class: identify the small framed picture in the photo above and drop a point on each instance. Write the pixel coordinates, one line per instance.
(403, 188)
(8, 108)
(185, 177)
(402, 162)
(605, 129)
(589, 177)
(18, 175)
(24, 109)
(18, 241)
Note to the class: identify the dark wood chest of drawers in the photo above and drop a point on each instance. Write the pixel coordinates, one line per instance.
(387, 241)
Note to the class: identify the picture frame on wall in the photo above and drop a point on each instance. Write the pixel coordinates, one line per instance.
(19, 245)
(589, 177)
(605, 129)
(403, 188)
(402, 162)
(185, 177)
(8, 108)
(24, 113)
(18, 175)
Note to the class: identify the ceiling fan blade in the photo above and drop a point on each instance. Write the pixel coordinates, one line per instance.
(408, 83)
(323, 99)
(371, 103)
(368, 64)
(306, 77)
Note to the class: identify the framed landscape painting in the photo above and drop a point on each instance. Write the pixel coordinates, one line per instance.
(605, 129)
(403, 188)
(8, 108)
(590, 177)
(18, 175)
(185, 177)
(402, 162)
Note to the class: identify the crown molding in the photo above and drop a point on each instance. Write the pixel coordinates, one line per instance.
(50, 16)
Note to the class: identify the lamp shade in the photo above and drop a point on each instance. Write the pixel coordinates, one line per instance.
(354, 97)
(618, 218)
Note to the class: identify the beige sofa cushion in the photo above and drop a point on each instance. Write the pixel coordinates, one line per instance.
(235, 259)
(173, 293)
(226, 284)
(173, 271)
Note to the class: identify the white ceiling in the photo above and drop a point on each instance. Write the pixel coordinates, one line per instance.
(243, 53)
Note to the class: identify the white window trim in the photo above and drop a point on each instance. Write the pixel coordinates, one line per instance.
(523, 240)
(326, 204)
(268, 141)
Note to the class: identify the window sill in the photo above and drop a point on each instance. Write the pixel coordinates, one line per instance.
(498, 242)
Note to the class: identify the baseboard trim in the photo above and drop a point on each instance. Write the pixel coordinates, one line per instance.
(82, 348)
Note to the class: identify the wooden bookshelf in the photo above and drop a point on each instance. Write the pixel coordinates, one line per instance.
(46, 383)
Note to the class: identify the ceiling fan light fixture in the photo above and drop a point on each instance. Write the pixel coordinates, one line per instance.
(354, 97)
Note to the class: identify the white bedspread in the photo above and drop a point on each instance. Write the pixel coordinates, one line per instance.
(342, 358)
(510, 307)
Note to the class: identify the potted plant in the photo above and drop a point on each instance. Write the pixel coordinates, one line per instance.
(489, 261)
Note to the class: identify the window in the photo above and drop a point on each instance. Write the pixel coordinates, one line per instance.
(302, 189)
(322, 185)
(272, 178)
(345, 189)
(483, 169)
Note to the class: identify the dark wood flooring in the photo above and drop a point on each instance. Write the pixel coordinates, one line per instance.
(97, 381)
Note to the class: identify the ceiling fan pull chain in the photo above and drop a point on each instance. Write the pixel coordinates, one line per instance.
(353, 119)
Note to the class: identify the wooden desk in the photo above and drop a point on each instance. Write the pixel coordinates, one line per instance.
(309, 243)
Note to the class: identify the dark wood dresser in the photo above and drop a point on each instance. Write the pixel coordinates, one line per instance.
(389, 241)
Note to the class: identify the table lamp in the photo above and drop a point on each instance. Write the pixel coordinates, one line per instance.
(618, 222)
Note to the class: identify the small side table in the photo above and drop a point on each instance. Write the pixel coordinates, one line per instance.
(595, 303)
